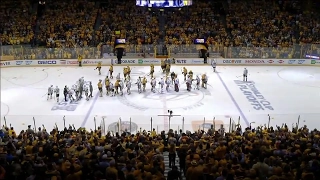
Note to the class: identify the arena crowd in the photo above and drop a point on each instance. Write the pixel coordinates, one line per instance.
(75, 154)
(243, 29)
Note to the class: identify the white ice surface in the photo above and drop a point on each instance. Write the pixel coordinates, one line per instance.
(291, 91)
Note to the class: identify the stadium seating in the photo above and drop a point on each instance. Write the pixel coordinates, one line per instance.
(17, 22)
(242, 29)
(68, 23)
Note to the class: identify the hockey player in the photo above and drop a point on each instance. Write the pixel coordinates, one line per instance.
(185, 73)
(128, 85)
(80, 60)
(71, 95)
(121, 86)
(151, 70)
(189, 83)
(81, 84)
(173, 75)
(75, 89)
(138, 83)
(163, 65)
(111, 71)
(100, 87)
(168, 67)
(204, 79)
(125, 72)
(191, 74)
(86, 92)
(91, 89)
(50, 92)
(197, 82)
(245, 74)
(118, 77)
(153, 85)
(168, 83)
(112, 89)
(107, 84)
(161, 83)
(117, 86)
(144, 83)
(176, 84)
(128, 71)
(57, 92)
(214, 65)
(98, 67)
(65, 93)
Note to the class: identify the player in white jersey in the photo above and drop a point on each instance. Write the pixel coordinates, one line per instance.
(112, 89)
(118, 76)
(50, 92)
(214, 65)
(75, 89)
(168, 83)
(71, 92)
(138, 83)
(86, 92)
(161, 83)
(57, 92)
(128, 85)
(189, 83)
(245, 74)
(176, 84)
(121, 87)
(197, 83)
(81, 84)
(153, 85)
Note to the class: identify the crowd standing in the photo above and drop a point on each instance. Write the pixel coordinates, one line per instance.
(245, 29)
(76, 154)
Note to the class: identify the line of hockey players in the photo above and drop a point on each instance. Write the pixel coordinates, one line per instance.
(165, 83)
(75, 93)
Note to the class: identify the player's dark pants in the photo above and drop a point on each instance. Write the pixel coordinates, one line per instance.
(90, 94)
(176, 87)
(245, 77)
(65, 97)
(80, 64)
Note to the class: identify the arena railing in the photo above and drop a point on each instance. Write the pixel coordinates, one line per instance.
(19, 52)
(185, 123)
(131, 124)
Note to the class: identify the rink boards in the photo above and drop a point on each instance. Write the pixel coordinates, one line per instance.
(149, 61)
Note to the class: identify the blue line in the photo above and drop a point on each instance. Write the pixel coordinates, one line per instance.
(84, 122)
(233, 100)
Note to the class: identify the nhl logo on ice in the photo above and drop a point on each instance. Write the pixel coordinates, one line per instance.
(125, 127)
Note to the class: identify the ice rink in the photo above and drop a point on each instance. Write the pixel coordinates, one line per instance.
(283, 93)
